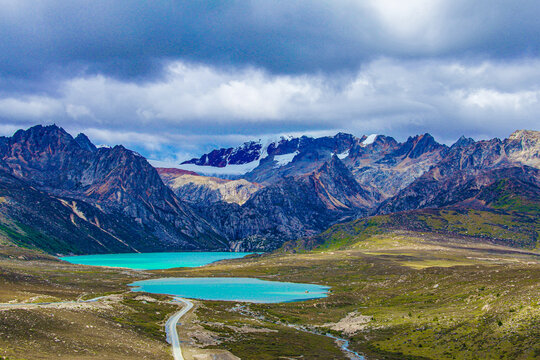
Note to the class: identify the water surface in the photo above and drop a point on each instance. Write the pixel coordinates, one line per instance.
(232, 289)
(153, 261)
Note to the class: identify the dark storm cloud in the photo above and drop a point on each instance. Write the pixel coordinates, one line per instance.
(183, 76)
(132, 39)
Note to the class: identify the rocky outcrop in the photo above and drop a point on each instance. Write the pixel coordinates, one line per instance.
(469, 167)
(338, 189)
(205, 189)
(388, 166)
(85, 143)
(463, 142)
(296, 206)
(523, 146)
(116, 180)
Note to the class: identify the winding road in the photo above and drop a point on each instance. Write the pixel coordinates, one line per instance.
(170, 328)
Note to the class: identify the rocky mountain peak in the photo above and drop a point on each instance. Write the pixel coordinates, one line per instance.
(334, 165)
(525, 135)
(418, 145)
(344, 136)
(243, 154)
(84, 142)
(40, 137)
(524, 146)
(380, 144)
(337, 188)
(462, 142)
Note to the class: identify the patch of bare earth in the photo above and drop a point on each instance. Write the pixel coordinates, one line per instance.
(351, 324)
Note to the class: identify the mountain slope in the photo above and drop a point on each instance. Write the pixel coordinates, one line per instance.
(296, 206)
(116, 180)
(32, 218)
(389, 166)
(511, 219)
(468, 168)
(502, 208)
(194, 188)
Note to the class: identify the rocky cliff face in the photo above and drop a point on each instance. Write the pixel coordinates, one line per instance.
(296, 206)
(468, 168)
(337, 188)
(198, 189)
(116, 180)
(54, 186)
(389, 166)
(61, 225)
(523, 146)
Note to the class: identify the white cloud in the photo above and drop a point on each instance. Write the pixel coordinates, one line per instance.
(194, 107)
(34, 107)
(409, 20)
(486, 98)
(77, 111)
(111, 137)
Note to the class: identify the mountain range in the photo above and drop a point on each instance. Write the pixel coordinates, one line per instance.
(64, 195)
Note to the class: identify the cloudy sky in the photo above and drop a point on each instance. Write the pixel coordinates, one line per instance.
(172, 79)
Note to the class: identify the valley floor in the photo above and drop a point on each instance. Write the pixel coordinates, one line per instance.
(394, 296)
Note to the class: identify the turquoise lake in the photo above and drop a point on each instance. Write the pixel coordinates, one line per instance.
(232, 289)
(154, 261)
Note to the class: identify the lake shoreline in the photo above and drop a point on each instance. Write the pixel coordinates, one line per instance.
(154, 260)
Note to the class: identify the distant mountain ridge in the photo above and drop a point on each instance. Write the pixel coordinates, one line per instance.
(375, 175)
(480, 162)
(64, 195)
(378, 162)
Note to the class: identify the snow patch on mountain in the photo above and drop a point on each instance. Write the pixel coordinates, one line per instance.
(163, 164)
(282, 160)
(343, 155)
(370, 139)
(208, 170)
(234, 169)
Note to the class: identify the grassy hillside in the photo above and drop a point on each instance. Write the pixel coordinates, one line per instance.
(504, 226)
(396, 295)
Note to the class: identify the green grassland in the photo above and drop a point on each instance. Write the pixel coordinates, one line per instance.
(395, 294)
(508, 228)
(425, 297)
(123, 326)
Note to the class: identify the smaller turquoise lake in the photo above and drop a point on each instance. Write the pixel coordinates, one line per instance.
(154, 261)
(232, 289)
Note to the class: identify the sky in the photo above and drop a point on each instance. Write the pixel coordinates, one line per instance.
(174, 79)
